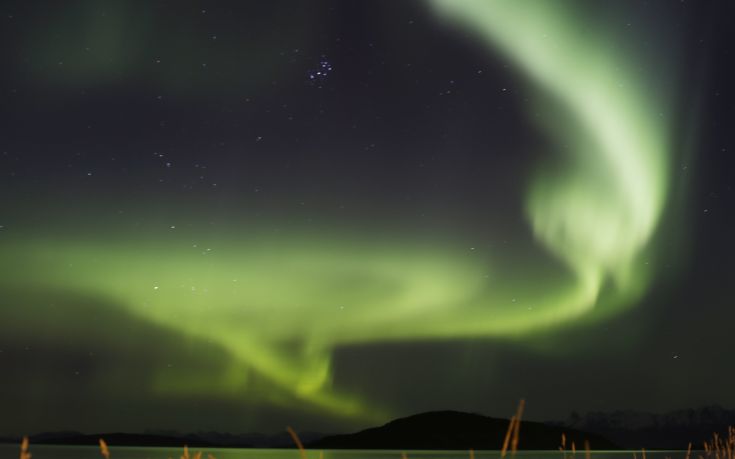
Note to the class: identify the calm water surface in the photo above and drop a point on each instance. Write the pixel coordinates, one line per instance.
(92, 452)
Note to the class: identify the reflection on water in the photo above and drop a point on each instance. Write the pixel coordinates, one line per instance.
(92, 452)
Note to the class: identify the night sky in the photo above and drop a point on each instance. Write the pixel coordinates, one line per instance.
(240, 215)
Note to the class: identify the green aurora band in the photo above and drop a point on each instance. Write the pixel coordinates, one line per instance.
(599, 212)
(281, 305)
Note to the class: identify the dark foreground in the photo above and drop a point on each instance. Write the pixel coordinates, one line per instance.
(92, 452)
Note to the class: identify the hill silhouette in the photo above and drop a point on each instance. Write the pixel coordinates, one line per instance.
(121, 439)
(457, 430)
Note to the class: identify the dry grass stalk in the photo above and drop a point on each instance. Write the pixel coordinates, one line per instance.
(689, 451)
(517, 430)
(472, 453)
(587, 450)
(104, 450)
(186, 453)
(24, 454)
(297, 440)
(198, 455)
(404, 455)
(506, 441)
(563, 447)
(721, 447)
(210, 456)
(643, 452)
(321, 454)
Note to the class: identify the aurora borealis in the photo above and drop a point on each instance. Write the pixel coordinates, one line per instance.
(475, 194)
(598, 213)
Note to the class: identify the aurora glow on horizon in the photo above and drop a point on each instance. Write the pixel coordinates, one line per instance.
(279, 304)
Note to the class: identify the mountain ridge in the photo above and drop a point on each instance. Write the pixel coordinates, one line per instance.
(669, 430)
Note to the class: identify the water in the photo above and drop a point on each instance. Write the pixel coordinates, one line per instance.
(129, 452)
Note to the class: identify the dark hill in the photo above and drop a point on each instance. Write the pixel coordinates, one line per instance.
(458, 431)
